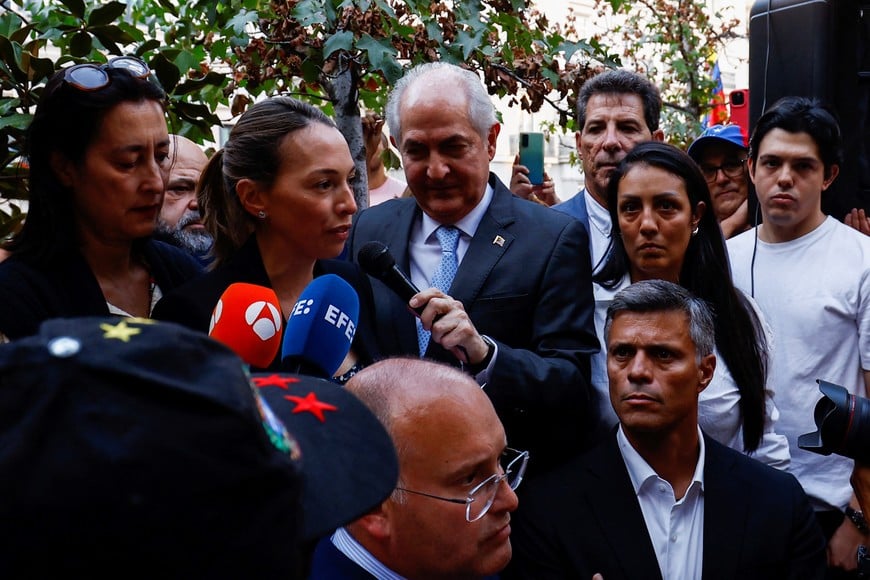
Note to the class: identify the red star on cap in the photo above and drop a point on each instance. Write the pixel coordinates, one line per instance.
(312, 405)
(274, 381)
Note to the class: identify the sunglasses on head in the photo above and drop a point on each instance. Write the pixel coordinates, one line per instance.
(93, 77)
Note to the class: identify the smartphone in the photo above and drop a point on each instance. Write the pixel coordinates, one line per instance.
(532, 156)
(738, 101)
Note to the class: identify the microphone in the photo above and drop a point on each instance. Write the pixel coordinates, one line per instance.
(321, 327)
(247, 318)
(376, 260)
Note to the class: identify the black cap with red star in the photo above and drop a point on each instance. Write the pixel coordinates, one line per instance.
(141, 449)
(349, 464)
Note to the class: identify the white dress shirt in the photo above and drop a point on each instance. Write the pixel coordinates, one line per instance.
(347, 545)
(675, 526)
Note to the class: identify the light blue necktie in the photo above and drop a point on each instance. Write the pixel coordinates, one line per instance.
(448, 237)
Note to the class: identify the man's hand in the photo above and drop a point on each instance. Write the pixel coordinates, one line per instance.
(843, 546)
(736, 223)
(857, 218)
(372, 125)
(450, 325)
(544, 193)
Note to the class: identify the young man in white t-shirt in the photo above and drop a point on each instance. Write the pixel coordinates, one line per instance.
(810, 275)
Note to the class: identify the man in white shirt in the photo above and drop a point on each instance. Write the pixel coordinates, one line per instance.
(450, 514)
(616, 110)
(810, 275)
(658, 499)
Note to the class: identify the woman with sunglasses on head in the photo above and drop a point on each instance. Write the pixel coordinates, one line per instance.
(97, 151)
(278, 202)
(664, 228)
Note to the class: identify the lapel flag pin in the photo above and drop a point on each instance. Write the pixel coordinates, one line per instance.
(498, 241)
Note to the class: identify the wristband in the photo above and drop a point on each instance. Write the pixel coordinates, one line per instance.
(857, 518)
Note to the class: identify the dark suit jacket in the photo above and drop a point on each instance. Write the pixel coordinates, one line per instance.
(329, 563)
(525, 282)
(32, 290)
(585, 518)
(191, 305)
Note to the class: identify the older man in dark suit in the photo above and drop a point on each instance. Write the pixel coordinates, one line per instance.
(658, 499)
(507, 282)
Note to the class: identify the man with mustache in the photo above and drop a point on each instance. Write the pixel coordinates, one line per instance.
(180, 222)
(658, 498)
(810, 275)
(616, 110)
(506, 282)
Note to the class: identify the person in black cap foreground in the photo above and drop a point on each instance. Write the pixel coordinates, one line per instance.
(449, 516)
(141, 449)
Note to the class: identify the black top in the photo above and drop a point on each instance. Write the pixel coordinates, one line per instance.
(193, 303)
(33, 290)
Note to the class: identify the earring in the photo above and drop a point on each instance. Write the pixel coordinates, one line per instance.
(695, 230)
(261, 214)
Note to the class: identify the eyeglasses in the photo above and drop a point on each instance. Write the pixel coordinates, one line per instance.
(731, 168)
(481, 498)
(93, 77)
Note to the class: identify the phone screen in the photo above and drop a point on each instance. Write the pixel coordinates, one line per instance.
(532, 156)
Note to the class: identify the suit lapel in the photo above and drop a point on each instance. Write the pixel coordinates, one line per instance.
(725, 513)
(613, 502)
(395, 233)
(489, 244)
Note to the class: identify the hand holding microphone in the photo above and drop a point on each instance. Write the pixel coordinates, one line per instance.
(444, 316)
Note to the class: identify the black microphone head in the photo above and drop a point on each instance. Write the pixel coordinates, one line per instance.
(375, 259)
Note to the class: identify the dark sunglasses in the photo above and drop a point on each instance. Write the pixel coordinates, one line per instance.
(93, 77)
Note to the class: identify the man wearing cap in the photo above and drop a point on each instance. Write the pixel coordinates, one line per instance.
(721, 154)
(449, 516)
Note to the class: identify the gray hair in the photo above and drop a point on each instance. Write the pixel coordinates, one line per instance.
(481, 111)
(662, 296)
(622, 82)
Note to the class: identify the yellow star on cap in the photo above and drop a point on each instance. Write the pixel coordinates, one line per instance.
(138, 320)
(120, 331)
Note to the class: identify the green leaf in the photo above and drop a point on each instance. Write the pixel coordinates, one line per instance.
(147, 46)
(309, 13)
(468, 43)
(240, 21)
(80, 44)
(212, 78)
(387, 9)
(76, 7)
(342, 40)
(18, 120)
(106, 14)
(186, 61)
(381, 56)
(166, 71)
(111, 34)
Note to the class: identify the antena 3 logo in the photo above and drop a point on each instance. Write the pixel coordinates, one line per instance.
(264, 319)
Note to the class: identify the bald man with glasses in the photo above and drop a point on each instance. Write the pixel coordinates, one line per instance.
(450, 514)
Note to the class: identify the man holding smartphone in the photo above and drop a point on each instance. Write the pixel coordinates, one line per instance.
(528, 178)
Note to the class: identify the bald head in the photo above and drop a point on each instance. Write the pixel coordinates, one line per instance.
(449, 442)
(397, 388)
